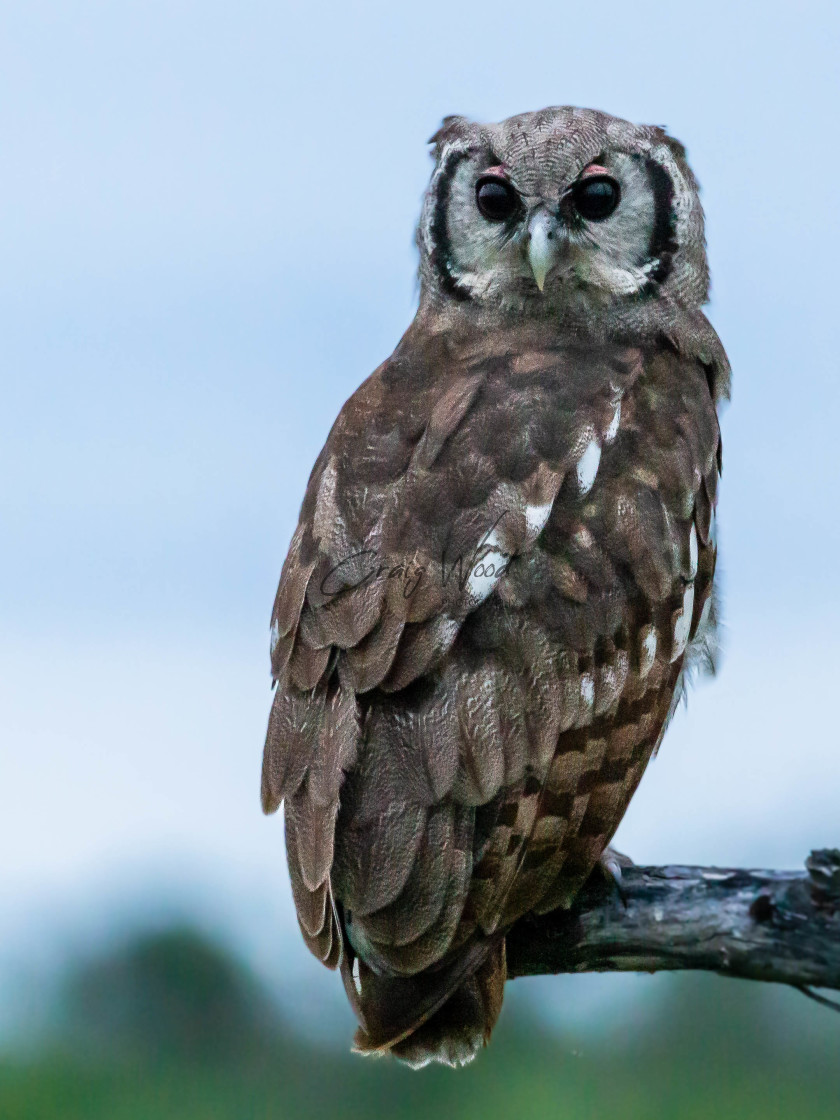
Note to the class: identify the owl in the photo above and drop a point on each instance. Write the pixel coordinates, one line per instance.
(503, 569)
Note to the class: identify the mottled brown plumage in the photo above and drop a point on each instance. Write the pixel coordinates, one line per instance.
(504, 559)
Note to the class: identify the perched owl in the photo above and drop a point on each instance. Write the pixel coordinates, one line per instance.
(502, 570)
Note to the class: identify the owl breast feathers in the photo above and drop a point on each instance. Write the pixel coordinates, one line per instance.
(503, 567)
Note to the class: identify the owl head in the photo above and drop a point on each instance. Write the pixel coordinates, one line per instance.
(550, 213)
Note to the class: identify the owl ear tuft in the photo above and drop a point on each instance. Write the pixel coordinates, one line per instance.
(676, 146)
(451, 128)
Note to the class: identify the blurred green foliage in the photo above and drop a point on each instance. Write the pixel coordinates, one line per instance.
(173, 995)
(170, 1026)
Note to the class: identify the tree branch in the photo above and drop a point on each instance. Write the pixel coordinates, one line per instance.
(759, 925)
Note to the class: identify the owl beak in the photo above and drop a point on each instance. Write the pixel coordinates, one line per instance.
(542, 245)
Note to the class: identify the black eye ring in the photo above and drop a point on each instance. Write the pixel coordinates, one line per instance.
(596, 197)
(495, 198)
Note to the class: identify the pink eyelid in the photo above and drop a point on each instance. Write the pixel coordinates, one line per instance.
(592, 169)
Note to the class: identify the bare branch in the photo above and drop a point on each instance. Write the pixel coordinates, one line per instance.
(759, 925)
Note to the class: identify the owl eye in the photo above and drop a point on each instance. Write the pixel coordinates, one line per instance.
(496, 198)
(596, 197)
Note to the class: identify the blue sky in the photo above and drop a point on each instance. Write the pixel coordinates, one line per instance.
(206, 243)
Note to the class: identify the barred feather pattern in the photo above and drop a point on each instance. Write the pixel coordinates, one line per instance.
(505, 550)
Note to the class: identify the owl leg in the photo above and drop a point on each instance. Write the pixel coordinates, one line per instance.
(611, 863)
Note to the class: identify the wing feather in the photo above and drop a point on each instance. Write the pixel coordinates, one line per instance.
(294, 725)
(374, 859)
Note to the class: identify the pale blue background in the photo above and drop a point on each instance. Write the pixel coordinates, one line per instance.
(206, 214)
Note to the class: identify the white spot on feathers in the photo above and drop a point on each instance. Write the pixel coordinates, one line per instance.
(587, 691)
(357, 977)
(692, 552)
(587, 466)
(536, 517)
(683, 624)
(583, 537)
(488, 568)
(647, 651)
(612, 430)
(275, 635)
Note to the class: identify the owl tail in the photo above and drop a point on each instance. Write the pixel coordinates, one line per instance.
(444, 1016)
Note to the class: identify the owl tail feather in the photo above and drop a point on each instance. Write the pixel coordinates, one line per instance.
(444, 1016)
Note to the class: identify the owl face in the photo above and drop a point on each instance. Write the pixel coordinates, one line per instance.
(549, 209)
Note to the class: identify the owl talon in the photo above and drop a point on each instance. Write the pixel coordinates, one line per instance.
(611, 863)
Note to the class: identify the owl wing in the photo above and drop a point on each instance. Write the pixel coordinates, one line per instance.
(424, 667)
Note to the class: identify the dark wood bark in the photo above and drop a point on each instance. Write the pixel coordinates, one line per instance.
(782, 926)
